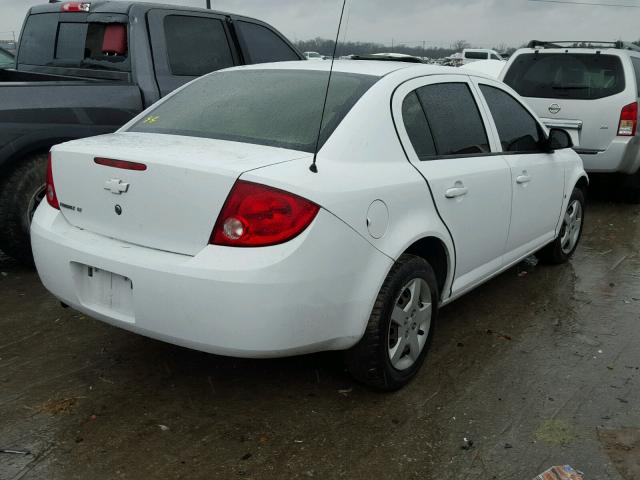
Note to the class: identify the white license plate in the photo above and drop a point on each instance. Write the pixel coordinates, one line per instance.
(105, 291)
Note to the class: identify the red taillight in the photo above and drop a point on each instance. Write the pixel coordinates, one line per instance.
(52, 198)
(255, 215)
(75, 7)
(123, 164)
(628, 120)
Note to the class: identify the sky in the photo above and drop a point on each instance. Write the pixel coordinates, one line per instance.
(483, 23)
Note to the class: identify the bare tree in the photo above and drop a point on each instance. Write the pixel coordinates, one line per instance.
(460, 45)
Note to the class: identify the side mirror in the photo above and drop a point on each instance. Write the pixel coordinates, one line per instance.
(559, 139)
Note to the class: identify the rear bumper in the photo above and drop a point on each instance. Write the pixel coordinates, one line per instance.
(313, 293)
(622, 155)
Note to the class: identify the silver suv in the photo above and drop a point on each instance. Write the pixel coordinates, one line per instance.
(591, 90)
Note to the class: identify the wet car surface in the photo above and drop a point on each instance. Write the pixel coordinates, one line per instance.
(538, 367)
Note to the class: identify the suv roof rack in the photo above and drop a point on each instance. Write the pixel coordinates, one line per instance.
(387, 58)
(583, 44)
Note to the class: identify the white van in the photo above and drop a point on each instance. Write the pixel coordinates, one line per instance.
(590, 89)
(470, 55)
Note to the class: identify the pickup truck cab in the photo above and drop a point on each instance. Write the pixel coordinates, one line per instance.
(85, 69)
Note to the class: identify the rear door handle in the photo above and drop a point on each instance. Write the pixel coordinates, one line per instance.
(522, 179)
(458, 191)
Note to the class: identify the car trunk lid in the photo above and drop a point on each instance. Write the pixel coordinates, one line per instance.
(172, 204)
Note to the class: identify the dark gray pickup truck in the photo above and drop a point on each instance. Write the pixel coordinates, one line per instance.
(86, 68)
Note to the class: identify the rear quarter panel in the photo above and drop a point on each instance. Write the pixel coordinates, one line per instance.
(362, 162)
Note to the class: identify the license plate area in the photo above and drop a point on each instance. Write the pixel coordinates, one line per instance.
(105, 292)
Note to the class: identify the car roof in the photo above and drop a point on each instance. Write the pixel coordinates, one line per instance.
(376, 68)
(583, 50)
(122, 7)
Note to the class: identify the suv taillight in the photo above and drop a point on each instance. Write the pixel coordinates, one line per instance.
(52, 198)
(628, 120)
(256, 215)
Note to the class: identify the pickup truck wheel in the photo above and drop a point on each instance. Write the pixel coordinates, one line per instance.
(562, 248)
(20, 194)
(398, 335)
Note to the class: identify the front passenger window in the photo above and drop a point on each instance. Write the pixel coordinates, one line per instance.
(518, 130)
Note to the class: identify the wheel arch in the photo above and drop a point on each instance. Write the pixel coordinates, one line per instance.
(435, 251)
(583, 184)
(10, 159)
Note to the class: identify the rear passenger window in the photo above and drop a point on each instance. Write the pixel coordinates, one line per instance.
(454, 118)
(636, 70)
(518, 130)
(417, 127)
(476, 55)
(263, 45)
(196, 45)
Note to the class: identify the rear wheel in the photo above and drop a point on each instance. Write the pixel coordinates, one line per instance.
(400, 327)
(20, 194)
(562, 248)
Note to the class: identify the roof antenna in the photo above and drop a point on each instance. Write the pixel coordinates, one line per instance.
(313, 167)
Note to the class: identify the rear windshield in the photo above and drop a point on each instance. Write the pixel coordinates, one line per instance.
(50, 42)
(279, 108)
(577, 76)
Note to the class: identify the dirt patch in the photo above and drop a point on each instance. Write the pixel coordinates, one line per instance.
(57, 406)
(623, 447)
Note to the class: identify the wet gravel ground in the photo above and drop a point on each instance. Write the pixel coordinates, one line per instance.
(539, 367)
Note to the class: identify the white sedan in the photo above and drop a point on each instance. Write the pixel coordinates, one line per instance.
(201, 223)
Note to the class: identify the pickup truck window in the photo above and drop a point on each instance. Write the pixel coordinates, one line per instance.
(38, 39)
(263, 45)
(70, 45)
(196, 45)
(279, 108)
(45, 42)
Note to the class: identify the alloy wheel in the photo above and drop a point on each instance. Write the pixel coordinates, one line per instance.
(410, 324)
(571, 227)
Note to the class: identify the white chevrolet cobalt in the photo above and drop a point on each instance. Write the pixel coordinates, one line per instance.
(201, 223)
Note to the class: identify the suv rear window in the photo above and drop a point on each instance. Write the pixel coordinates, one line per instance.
(279, 108)
(575, 76)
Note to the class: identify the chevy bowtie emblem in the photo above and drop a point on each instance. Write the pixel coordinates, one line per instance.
(116, 186)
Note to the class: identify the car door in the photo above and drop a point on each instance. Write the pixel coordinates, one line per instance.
(537, 177)
(445, 136)
(187, 45)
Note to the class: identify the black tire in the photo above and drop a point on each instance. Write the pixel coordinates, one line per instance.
(553, 253)
(18, 191)
(368, 361)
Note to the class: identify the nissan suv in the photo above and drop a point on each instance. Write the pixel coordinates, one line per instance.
(591, 90)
